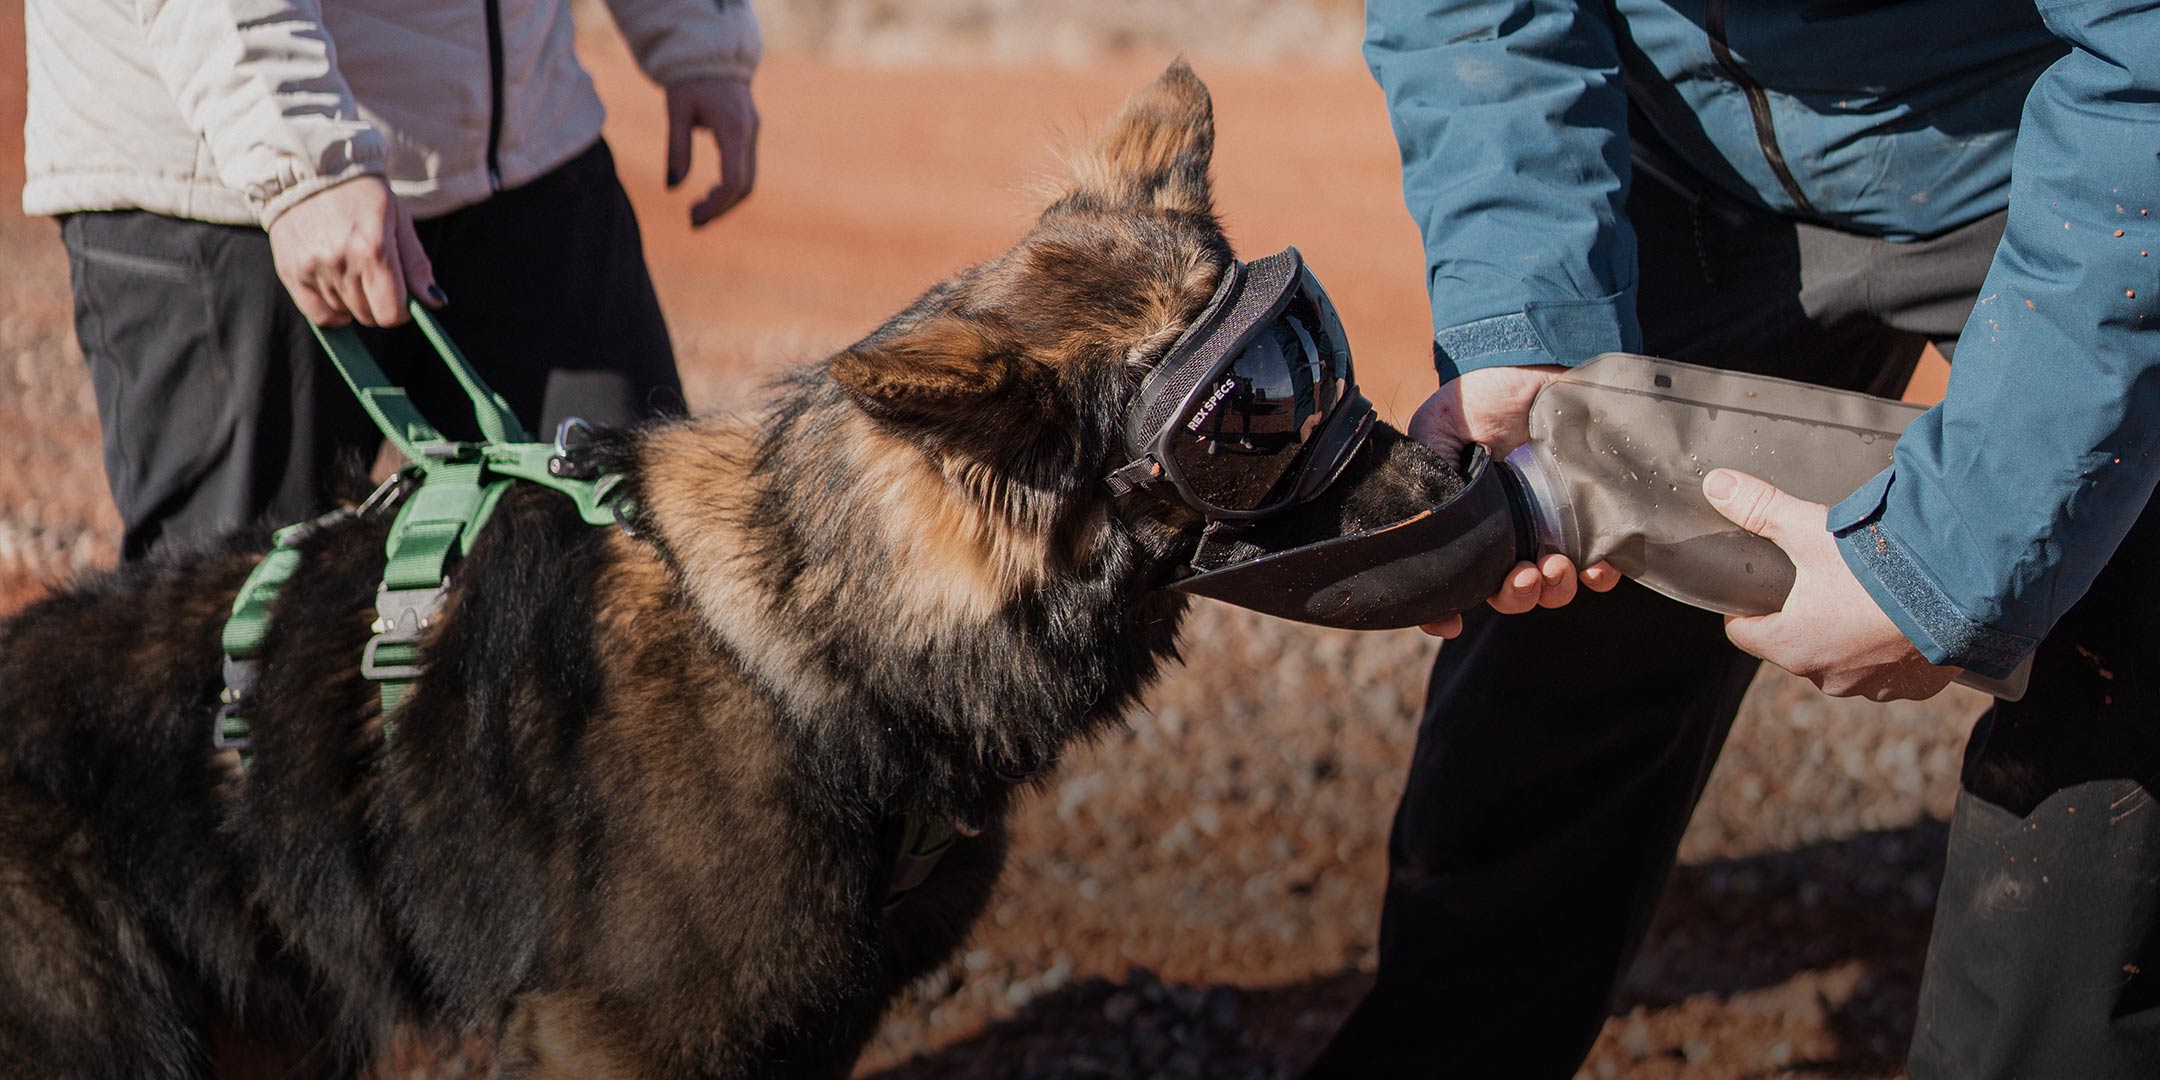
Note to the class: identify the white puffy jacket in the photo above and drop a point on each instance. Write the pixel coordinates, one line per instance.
(233, 110)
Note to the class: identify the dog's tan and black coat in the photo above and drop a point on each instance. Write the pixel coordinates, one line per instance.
(637, 819)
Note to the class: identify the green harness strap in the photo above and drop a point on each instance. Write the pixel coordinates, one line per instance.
(449, 489)
(249, 623)
(392, 410)
(453, 489)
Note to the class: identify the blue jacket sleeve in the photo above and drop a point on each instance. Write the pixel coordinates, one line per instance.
(2003, 503)
(1513, 127)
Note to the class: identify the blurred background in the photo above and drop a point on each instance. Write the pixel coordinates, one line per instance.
(1199, 894)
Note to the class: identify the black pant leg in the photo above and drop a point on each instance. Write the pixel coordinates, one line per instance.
(1560, 756)
(2044, 960)
(551, 300)
(216, 408)
(1562, 751)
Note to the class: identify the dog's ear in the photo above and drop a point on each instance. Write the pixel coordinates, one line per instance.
(1155, 151)
(947, 362)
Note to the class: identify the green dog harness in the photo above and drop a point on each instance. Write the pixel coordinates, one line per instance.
(445, 493)
(447, 490)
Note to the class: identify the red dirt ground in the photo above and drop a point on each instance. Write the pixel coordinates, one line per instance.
(1233, 839)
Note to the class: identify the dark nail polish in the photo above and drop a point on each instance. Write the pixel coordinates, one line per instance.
(435, 293)
(674, 177)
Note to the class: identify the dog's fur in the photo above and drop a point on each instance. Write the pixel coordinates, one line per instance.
(638, 817)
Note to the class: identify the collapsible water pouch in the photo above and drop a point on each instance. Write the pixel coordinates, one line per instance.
(1619, 448)
(1620, 445)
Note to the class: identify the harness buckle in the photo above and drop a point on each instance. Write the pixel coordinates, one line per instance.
(402, 617)
(386, 494)
(229, 731)
(444, 450)
(571, 439)
(379, 671)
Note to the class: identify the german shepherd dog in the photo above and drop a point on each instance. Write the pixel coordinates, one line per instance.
(638, 817)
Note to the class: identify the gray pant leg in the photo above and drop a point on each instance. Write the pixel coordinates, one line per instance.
(2044, 960)
(206, 377)
(1925, 288)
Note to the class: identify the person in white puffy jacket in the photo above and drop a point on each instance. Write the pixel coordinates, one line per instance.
(226, 170)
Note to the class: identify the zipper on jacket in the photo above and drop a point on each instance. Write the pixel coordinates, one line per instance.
(495, 94)
(1758, 102)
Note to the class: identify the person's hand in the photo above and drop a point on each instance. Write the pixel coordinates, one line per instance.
(348, 253)
(1492, 406)
(1831, 632)
(723, 107)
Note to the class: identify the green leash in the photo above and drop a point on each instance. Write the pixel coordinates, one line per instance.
(448, 489)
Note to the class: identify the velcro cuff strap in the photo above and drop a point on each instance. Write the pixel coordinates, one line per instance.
(1499, 334)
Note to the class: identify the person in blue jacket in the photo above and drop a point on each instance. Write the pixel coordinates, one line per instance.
(1814, 191)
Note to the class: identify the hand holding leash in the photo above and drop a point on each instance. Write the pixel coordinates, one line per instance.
(348, 253)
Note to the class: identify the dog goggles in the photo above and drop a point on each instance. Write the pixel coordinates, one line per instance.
(1255, 408)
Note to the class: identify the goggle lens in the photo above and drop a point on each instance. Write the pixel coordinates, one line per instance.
(1245, 438)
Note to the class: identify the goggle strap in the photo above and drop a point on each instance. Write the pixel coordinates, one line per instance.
(1134, 475)
(1221, 530)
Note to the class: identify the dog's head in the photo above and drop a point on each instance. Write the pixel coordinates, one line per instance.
(1022, 365)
